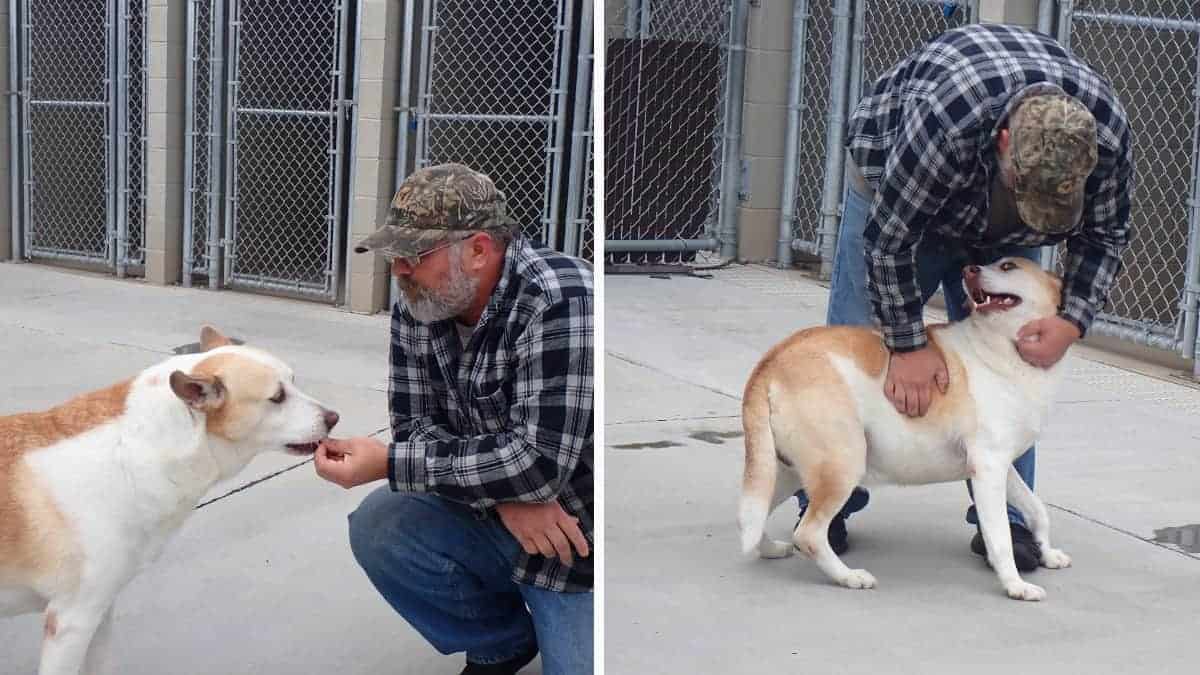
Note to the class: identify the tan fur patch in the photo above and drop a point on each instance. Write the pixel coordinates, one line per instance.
(51, 627)
(32, 529)
(245, 381)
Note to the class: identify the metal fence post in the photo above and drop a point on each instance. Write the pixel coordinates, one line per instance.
(731, 168)
(578, 172)
(1064, 23)
(404, 115)
(121, 112)
(229, 218)
(14, 134)
(1191, 283)
(189, 135)
(1045, 21)
(795, 123)
(26, 24)
(404, 109)
(835, 154)
(552, 192)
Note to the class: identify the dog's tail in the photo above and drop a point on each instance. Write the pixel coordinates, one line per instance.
(758, 480)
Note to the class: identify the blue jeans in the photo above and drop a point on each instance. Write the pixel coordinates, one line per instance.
(939, 263)
(449, 574)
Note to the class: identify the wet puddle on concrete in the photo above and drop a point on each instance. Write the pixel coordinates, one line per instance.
(647, 445)
(1185, 537)
(712, 437)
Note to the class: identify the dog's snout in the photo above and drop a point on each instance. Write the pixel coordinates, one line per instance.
(970, 270)
(331, 419)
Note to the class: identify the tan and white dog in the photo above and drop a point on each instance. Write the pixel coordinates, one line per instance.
(815, 415)
(91, 490)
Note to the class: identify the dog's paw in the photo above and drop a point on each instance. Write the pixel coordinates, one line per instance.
(858, 579)
(1055, 559)
(1021, 590)
(770, 549)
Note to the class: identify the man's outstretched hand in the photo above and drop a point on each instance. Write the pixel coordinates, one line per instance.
(544, 529)
(350, 462)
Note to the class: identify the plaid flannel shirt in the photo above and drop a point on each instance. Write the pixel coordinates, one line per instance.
(508, 418)
(925, 139)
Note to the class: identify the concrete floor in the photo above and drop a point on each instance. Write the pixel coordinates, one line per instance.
(260, 581)
(1118, 465)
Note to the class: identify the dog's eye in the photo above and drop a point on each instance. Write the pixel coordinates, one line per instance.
(278, 398)
(1008, 266)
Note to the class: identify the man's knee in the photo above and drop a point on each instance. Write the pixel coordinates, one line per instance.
(381, 524)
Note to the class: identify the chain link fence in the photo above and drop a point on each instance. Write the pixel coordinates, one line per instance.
(83, 117)
(493, 94)
(882, 32)
(287, 145)
(889, 30)
(1148, 50)
(667, 96)
(65, 73)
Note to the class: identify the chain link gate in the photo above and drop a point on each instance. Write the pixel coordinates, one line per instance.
(204, 142)
(267, 139)
(83, 118)
(1148, 50)
(672, 104)
(492, 94)
(847, 44)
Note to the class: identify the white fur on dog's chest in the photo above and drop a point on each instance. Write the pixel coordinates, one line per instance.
(902, 450)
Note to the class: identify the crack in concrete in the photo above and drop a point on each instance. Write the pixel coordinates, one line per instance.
(674, 419)
(635, 362)
(1123, 531)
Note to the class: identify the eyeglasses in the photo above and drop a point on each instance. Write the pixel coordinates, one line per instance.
(415, 259)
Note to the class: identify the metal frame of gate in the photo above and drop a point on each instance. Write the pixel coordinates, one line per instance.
(675, 24)
(71, 209)
(488, 131)
(580, 227)
(252, 191)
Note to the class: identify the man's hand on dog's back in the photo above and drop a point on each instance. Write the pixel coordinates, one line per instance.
(910, 380)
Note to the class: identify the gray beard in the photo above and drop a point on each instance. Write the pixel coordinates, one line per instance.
(430, 305)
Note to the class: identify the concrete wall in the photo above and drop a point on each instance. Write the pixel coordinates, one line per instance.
(166, 124)
(764, 126)
(1018, 12)
(375, 167)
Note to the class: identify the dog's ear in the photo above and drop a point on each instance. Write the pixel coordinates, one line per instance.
(202, 393)
(211, 338)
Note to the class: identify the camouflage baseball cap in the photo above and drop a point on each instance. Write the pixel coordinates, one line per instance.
(435, 205)
(1053, 153)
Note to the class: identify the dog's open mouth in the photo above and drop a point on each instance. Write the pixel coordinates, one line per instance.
(301, 448)
(985, 300)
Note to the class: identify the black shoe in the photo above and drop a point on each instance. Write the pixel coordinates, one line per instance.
(838, 538)
(1026, 552)
(509, 667)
